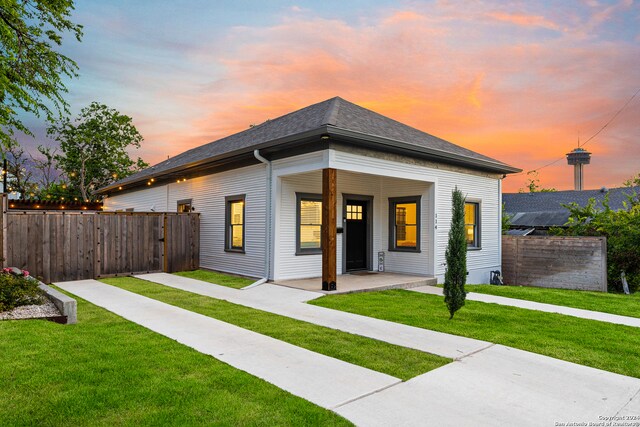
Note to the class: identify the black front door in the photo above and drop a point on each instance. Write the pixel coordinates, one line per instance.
(356, 234)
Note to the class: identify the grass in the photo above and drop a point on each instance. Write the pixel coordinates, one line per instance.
(587, 342)
(400, 362)
(217, 278)
(107, 371)
(624, 305)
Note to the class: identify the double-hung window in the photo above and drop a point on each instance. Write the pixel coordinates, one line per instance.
(309, 223)
(404, 224)
(472, 224)
(234, 238)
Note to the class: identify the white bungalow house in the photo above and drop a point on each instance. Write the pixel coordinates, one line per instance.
(385, 188)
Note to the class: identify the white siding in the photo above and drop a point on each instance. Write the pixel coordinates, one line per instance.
(374, 175)
(208, 198)
(475, 186)
(486, 192)
(408, 262)
(290, 266)
(150, 199)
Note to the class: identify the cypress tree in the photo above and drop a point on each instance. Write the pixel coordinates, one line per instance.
(456, 256)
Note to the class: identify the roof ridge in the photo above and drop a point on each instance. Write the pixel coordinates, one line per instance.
(331, 116)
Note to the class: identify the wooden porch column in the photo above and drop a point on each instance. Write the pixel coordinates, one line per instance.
(329, 191)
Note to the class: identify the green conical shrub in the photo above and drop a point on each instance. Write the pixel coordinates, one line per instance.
(455, 276)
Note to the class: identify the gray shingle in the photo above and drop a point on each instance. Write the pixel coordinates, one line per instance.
(546, 210)
(335, 112)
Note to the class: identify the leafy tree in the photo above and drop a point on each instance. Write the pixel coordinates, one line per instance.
(94, 148)
(456, 256)
(621, 228)
(31, 70)
(60, 191)
(19, 173)
(506, 220)
(533, 184)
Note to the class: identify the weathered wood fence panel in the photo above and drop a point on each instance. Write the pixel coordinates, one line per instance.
(182, 242)
(555, 262)
(128, 243)
(59, 246)
(50, 245)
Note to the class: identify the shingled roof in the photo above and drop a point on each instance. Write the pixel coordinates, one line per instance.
(544, 209)
(335, 117)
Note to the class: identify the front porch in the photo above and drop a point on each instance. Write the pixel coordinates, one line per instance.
(339, 224)
(365, 281)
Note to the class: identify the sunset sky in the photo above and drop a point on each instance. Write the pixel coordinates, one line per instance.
(518, 81)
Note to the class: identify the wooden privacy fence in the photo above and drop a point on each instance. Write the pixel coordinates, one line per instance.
(555, 262)
(58, 246)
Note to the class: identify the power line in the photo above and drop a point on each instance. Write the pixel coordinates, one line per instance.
(590, 138)
(612, 119)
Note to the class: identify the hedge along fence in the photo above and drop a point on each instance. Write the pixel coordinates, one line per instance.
(59, 246)
(555, 262)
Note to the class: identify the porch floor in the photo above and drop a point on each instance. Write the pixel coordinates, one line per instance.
(366, 281)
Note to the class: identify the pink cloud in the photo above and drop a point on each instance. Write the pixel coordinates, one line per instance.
(523, 20)
(524, 100)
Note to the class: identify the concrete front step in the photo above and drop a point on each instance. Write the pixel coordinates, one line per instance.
(366, 281)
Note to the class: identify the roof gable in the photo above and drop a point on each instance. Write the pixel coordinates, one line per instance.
(332, 114)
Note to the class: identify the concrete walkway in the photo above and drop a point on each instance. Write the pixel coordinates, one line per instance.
(323, 380)
(500, 386)
(287, 302)
(548, 308)
(493, 385)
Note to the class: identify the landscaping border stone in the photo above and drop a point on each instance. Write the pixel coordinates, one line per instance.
(67, 306)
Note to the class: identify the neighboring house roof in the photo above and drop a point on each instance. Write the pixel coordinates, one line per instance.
(520, 232)
(544, 209)
(335, 117)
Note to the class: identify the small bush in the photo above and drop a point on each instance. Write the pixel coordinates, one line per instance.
(621, 228)
(18, 290)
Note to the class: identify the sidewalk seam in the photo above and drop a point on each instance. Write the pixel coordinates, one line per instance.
(366, 395)
(457, 359)
(637, 394)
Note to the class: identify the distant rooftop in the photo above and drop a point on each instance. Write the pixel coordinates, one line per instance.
(544, 209)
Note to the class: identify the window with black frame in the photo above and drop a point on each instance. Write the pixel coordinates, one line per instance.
(235, 219)
(184, 206)
(309, 223)
(472, 224)
(404, 224)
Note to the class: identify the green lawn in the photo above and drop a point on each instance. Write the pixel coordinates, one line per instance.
(108, 371)
(217, 278)
(397, 361)
(587, 342)
(624, 305)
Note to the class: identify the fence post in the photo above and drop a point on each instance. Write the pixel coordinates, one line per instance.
(605, 284)
(3, 234)
(97, 249)
(165, 242)
(516, 258)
